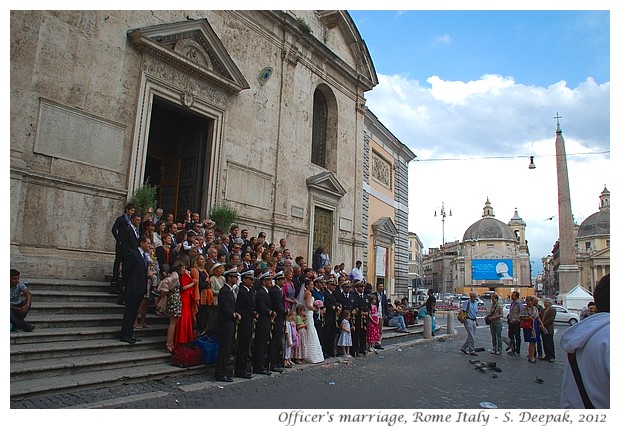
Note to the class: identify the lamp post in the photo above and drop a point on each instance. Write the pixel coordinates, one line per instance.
(443, 215)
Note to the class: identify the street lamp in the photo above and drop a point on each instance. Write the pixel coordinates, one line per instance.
(443, 215)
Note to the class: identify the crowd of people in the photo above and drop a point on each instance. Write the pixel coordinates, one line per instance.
(270, 310)
(585, 385)
(525, 317)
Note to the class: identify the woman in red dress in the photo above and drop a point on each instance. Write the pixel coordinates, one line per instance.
(373, 332)
(184, 332)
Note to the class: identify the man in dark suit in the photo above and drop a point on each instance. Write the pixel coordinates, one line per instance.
(332, 308)
(134, 283)
(129, 242)
(245, 308)
(319, 316)
(264, 312)
(277, 330)
(362, 306)
(382, 306)
(227, 318)
(118, 229)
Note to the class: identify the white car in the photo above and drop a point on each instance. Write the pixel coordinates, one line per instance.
(561, 314)
(565, 316)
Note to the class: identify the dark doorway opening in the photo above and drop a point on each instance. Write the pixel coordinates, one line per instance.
(178, 157)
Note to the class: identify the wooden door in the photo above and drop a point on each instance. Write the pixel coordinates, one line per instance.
(323, 228)
(169, 184)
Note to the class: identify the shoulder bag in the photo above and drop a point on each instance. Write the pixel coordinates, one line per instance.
(462, 314)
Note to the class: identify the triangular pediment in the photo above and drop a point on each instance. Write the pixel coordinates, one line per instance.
(384, 227)
(193, 47)
(352, 40)
(326, 182)
(492, 253)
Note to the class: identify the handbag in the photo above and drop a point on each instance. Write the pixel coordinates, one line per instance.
(487, 319)
(527, 324)
(186, 356)
(209, 345)
(462, 314)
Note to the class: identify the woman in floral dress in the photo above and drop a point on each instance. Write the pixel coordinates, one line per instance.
(298, 354)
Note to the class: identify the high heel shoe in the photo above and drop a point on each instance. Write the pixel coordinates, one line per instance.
(170, 348)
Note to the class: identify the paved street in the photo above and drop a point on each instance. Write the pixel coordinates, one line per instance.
(433, 375)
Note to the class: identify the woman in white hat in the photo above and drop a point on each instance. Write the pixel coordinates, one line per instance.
(216, 280)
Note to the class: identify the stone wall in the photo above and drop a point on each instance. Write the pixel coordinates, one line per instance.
(81, 93)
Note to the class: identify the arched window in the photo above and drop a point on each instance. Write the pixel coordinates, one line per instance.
(324, 128)
(319, 128)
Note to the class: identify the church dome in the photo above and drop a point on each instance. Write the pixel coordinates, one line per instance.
(597, 224)
(489, 228)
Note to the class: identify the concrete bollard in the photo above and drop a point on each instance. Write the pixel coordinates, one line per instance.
(450, 323)
(428, 327)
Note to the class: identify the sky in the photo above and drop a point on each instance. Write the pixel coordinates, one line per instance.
(474, 94)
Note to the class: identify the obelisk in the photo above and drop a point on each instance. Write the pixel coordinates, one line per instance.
(568, 271)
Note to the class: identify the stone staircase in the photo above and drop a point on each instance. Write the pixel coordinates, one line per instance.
(76, 342)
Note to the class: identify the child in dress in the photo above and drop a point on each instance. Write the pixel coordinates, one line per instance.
(288, 339)
(373, 332)
(298, 354)
(345, 340)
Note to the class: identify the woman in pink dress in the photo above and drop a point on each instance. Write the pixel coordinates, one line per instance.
(290, 299)
(373, 332)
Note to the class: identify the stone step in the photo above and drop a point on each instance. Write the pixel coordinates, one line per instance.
(72, 296)
(100, 377)
(67, 349)
(64, 307)
(37, 285)
(45, 320)
(77, 333)
(74, 365)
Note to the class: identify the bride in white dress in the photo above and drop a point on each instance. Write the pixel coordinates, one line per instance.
(314, 352)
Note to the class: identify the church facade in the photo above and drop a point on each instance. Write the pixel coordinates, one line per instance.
(264, 110)
(493, 256)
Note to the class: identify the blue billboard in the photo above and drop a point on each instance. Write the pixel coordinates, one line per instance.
(491, 269)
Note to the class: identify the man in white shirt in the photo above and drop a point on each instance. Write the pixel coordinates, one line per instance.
(357, 273)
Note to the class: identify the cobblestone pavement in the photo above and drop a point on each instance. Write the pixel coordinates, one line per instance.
(433, 375)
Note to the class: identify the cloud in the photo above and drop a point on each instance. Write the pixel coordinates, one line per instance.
(493, 115)
(492, 125)
(443, 39)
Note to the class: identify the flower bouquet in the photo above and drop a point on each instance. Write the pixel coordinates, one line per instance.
(318, 303)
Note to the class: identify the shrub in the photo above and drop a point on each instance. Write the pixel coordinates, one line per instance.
(224, 216)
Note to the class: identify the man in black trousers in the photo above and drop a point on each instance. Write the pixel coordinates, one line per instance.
(245, 308)
(227, 318)
(134, 284)
(332, 308)
(277, 330)
(262, 307)
(129, 241)
(362, 305)
(118, 231)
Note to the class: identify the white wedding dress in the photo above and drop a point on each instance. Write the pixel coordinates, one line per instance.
(314, 352)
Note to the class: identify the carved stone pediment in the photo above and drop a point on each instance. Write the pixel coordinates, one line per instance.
(326, 182)
(193, 47)
(384, 230)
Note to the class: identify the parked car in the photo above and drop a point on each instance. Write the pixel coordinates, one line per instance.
(562, 315)
(466, 297)
(565, 316)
